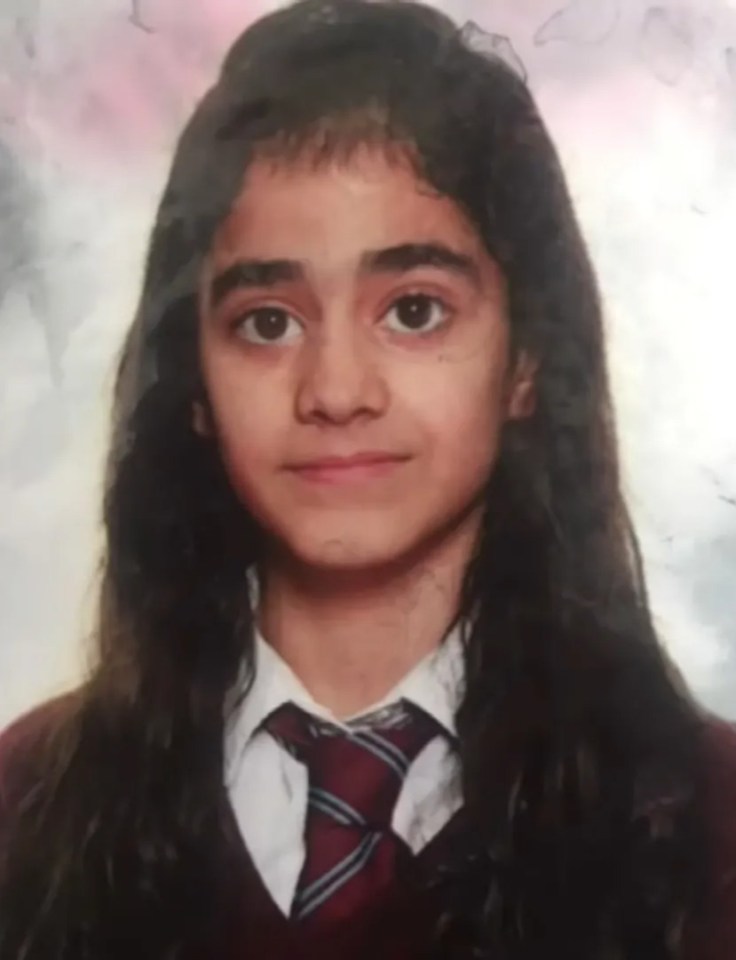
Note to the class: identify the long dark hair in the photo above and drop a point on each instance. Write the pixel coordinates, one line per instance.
(579, 748)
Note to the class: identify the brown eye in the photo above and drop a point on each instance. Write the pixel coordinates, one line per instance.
(417, 313)
(268, 325)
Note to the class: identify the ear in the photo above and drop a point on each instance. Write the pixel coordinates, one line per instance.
(201, 422)
(522, 396)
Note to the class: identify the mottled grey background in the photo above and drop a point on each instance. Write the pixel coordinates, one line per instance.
(641, 99)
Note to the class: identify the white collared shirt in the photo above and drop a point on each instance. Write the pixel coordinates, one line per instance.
(268, 787)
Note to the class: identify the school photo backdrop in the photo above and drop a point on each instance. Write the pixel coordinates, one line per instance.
(641, 100)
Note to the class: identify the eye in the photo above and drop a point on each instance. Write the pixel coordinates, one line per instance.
(267, 325)
(417, 313)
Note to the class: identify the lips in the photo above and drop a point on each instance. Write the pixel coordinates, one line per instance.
(364, 465)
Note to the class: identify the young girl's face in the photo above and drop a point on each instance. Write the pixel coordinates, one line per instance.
(355, 354)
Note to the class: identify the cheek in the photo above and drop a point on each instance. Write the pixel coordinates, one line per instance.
(245, 426)
(461, 408)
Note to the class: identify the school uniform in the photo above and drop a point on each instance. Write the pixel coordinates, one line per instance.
(270, 801)
(269, 792)
(268, 786)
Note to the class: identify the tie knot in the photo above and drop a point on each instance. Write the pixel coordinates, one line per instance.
(355, 774)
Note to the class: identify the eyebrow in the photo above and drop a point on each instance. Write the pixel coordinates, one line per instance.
(392, 260)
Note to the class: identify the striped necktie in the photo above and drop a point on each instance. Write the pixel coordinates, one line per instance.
(355, 776)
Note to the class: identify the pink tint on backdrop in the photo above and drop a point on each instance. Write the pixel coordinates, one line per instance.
(129, 86)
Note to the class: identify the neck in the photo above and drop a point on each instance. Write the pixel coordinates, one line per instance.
(350, 636)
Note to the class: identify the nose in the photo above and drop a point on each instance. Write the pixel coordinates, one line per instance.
(339, 378)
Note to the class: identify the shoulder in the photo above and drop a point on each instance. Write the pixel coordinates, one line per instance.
(20, 741)
(715, 936)
(719, 746)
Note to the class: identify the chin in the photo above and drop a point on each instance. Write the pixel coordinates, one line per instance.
(349, 555)
(336, 548)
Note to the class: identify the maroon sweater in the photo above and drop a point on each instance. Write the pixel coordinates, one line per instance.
(397, 928)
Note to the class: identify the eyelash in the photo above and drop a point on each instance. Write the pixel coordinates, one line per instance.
(433, 299)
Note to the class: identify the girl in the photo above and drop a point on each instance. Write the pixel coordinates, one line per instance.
(376, 673)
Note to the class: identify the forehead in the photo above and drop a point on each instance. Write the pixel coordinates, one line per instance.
(334, 211)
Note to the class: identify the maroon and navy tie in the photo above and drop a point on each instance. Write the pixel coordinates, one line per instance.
(355, 775)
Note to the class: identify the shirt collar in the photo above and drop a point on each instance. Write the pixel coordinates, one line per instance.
(435, 685)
